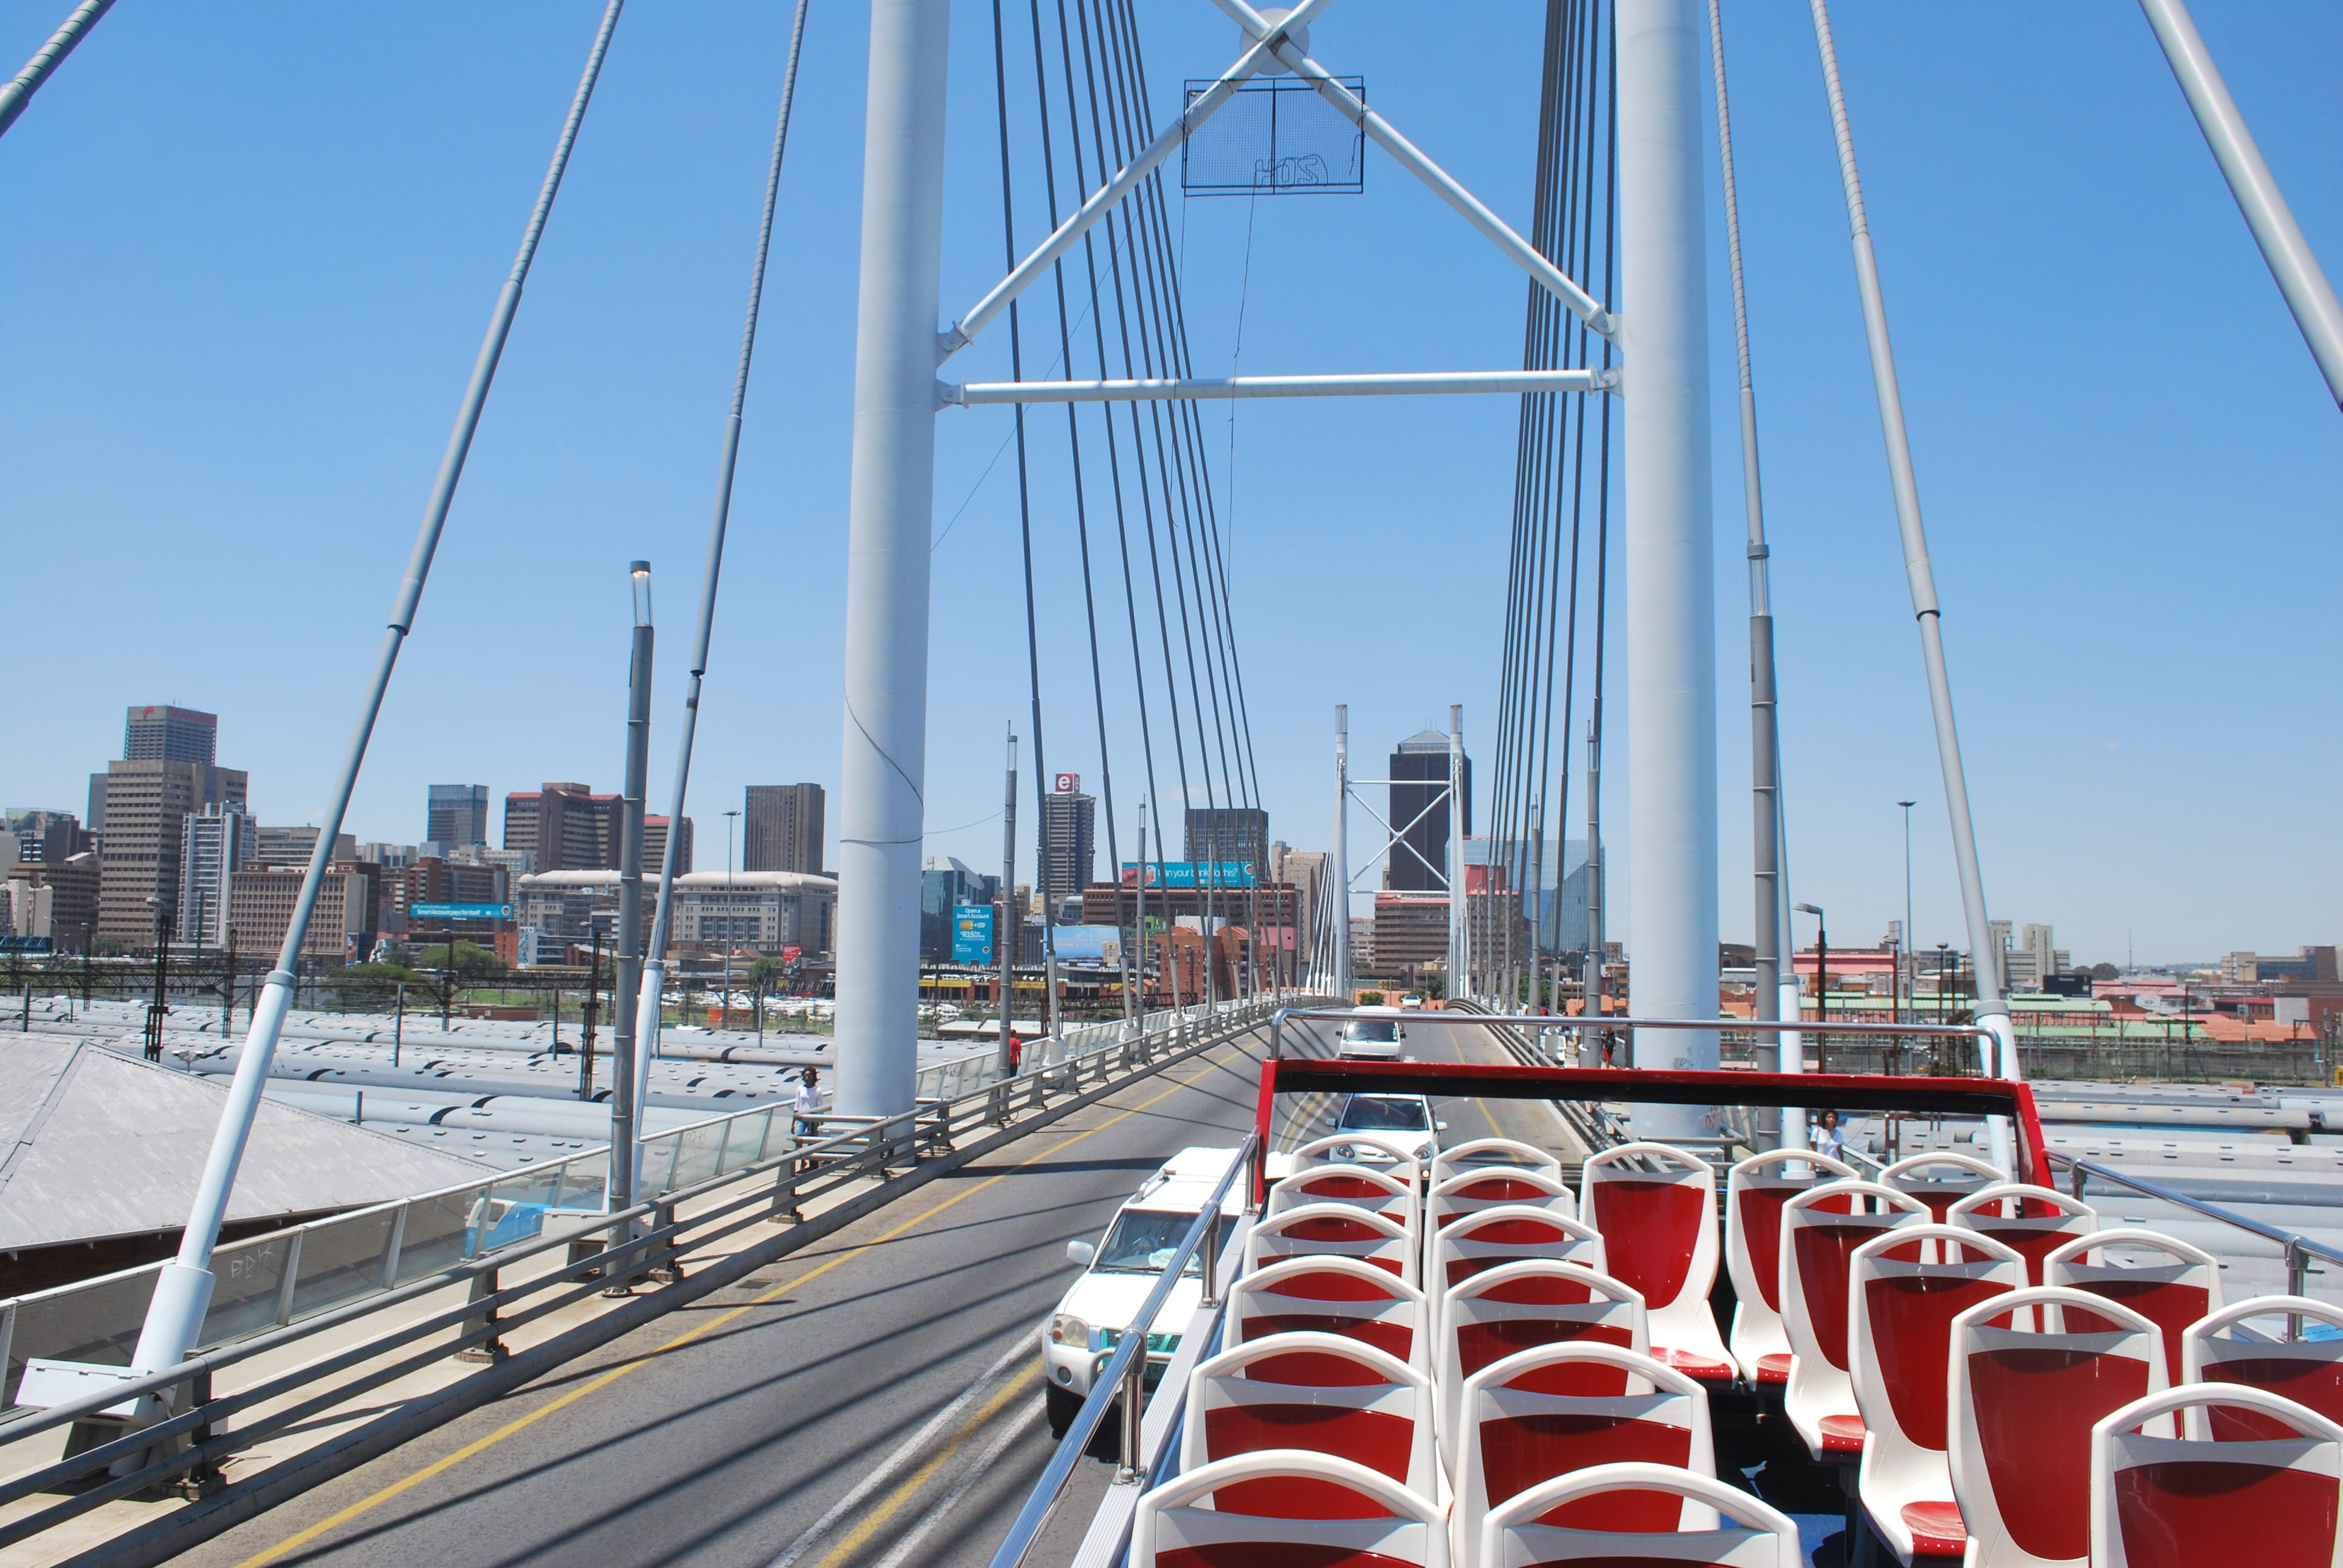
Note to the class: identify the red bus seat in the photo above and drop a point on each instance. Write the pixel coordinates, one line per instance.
(2173, 1285)
(1490, 1186)
(1538, 1526)
(1528, 1418)
(1821, 1228)
(1325, 1393)
(1754, 1190)
(2195, 1501)
(2033, 1372)
(1333, 1230)
(1334, 1295)
(1367, 1519)
(1906, 1285)
(1512, 1234)
(1941, 1178)
(1520, 1306)
(2036, 1220)
(1361, 1186)
(1340, 1149)
(1494, 1154)
(1659, 1236)
(2216, 1348)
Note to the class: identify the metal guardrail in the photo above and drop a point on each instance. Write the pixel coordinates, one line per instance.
(2295, 1247)
(291, 1275)
(646, 1239)
(1124, 1374)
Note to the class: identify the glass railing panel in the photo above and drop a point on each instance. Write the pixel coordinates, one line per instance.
(438, 1234)
(250, 1276)
(340, 1261)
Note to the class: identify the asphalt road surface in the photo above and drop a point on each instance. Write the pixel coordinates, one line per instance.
(875, 1399)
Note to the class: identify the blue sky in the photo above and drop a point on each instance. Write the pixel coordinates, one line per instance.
(252, 250)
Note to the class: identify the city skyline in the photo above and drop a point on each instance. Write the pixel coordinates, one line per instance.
(2113, 575)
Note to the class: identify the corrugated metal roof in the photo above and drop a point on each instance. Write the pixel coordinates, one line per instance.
(100, 1144)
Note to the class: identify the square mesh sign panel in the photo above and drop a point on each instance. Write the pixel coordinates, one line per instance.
(1275, 136)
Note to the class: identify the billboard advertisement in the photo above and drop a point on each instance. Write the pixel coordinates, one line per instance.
(1188, 873)
(1088, 944)
(971, 933)
(1070, 783)
(460, 912)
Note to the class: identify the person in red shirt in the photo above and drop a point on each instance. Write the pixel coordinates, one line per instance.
(1016, 1054)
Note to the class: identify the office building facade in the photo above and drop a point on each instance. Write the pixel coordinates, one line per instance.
(294, 844)
(782, 828)
(1239, 833)
(159, 733)
(1420, 813)
(146, 803)
(214, 845)
(1069, 838)
(456, 814)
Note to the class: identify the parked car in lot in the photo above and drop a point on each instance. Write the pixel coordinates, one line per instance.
(1122, 1269)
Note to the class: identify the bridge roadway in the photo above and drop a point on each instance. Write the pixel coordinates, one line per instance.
(872, 1401)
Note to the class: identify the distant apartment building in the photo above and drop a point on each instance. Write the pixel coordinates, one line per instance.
(141, 805)
(164, 734)
(2310, 963)
(214, 845)
(781, 829)
(566, 827)
(1069, 838)
(655, 847)
(44, 836)
(456, 814)
(515, 863)
(767, 911)
(1228, 833)
(260, 908)
(294, 845)
(54, 899)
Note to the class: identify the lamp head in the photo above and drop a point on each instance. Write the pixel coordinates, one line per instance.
(640, 572)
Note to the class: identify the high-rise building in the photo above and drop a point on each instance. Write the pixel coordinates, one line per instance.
(1069, 838)
(1419, 812)
(456, 814)
(54, 898)
(781, 829)
(567, 826)
(1230, 833)
(44, 836)
(164, 734)
(260, 908)
(654, 848)
(294, 845)
(215, 843)
(146, 802)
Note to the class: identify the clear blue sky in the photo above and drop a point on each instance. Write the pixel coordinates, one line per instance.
(251, 250)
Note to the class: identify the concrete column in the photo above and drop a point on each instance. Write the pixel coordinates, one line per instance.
(883, 766)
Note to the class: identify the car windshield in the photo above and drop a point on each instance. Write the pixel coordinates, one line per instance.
(1143, 1242)
(1376, 1113)
(1381, 1030)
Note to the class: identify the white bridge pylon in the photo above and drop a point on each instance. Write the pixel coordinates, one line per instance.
(897, 395)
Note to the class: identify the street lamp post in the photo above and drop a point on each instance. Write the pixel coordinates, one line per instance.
(1902, 958)
(728, 916)
(162, 978)
(1822, 971)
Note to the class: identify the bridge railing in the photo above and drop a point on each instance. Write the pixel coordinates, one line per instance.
(393, 1310)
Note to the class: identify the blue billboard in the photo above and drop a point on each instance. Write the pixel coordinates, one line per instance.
(1190, 873)
(460, 912)
(1088, 944)
(971, 933)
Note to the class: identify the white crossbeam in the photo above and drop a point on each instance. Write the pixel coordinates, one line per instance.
(1412, 158)
(963, 332)
(1207, 388)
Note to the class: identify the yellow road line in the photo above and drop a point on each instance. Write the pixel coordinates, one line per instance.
(878, 1517)
(440, 1466)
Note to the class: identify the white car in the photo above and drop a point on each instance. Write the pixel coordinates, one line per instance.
(1120, 1271)
(1404, 1121)
(1371, 1034)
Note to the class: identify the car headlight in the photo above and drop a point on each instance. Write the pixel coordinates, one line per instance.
(1065, 1329)
(1343, 1151)
(1425, 1153)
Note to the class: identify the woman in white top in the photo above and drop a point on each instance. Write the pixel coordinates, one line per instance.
(1826, 1137)
(808, 1104)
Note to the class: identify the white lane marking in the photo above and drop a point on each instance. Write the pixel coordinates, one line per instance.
(1010, 1433)
(902, 1454)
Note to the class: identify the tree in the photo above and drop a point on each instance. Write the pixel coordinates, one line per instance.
(2106, 972)
(764, 974)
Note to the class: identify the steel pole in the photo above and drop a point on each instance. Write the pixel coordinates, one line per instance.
(655, 969)
(47, 59)
(1991, 1009)
(2291, 260)
(1341, 878)
(1454, 868)
(1765, 745)
(1006, 924)
(183, 1288)
(629, 1063)
(1671, 577)
(889, 510)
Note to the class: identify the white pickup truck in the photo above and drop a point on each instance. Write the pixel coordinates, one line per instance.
(1122, 1269)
